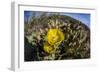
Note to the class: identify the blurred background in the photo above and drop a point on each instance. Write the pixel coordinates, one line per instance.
(83, 17)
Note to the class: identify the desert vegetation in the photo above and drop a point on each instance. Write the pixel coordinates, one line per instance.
(55, 37)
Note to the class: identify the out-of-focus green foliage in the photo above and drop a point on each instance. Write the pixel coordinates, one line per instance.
(76, 43)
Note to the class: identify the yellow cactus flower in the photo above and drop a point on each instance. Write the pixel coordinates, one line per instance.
(48, 49)
(54, 36)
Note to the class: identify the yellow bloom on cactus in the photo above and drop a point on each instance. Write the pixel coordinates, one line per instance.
(49, 49)
(54, 36)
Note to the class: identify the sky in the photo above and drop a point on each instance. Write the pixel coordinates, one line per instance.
(83, 17)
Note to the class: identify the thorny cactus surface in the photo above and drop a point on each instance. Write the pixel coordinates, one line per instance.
(56, 37)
